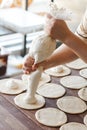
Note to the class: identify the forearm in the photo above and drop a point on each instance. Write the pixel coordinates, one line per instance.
(61, 55)
(78, 46)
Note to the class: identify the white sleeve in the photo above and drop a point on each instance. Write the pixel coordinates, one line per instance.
(82, 28)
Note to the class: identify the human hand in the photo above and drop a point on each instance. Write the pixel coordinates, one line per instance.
(28, 64)
(56, 28)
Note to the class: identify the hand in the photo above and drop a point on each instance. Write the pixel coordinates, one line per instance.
(28, 64)
(57, 29)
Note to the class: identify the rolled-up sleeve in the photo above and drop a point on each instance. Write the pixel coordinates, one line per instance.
(82, 28)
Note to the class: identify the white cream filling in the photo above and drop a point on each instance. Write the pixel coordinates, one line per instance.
(11, 84)
(33, 82)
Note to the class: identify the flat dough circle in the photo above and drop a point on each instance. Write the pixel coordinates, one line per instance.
(51, 117)
(83, 93)
(44, 79)
(19, 101)
(83, 73)
(71, 104)
(73, 126)
(51, 90)
(73, 82)
(77, 64)
(85, 120)
(4, 86)
(53, 71)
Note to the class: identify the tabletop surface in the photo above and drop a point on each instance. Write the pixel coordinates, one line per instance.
(14, 118)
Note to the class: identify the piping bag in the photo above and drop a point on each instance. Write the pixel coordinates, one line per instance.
(41, 48)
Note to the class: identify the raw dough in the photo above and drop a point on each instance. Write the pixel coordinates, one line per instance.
(44, 79)
(73, 126)
(83, 73)
(11, 86)
(51, 90)
(71, 104)
(83, 93)
(19, 101)
(58, 71)
(51, 117)
(85, 120)
(77, 64)
(73, 82)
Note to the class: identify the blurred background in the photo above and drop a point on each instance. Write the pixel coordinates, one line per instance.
(18, 43)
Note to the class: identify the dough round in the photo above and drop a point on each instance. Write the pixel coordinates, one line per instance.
(51, 117)
(73, 126)
(77, 64)
(71, 104)
(51, 90)
(19, 101)
(83, 73)
(83, 93)
(85, 120)
(11, 86)
(44, 79)
(73, 82)
(58, 71)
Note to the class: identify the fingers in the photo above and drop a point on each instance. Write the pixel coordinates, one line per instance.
(27, 65)
(48, 16)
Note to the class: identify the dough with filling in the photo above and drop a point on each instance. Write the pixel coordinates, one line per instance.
(44, 79)
(58, 71)
(19, 101)
(12, 86)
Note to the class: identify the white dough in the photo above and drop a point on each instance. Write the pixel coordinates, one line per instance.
(58, 71)
(83, 93)
(83, 73)
(51, 117)
(85, 120)
(19, 101)
(51, 90)
(77, 64)
(73, 126)
(71, 104)
(73, 82)
(11, 86)
(44, 79)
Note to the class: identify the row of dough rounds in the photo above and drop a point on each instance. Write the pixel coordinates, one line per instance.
(51, 116)
(54, 117)
(16, 86)
(48, 116)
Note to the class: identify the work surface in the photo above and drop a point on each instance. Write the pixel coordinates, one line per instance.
(14, 118)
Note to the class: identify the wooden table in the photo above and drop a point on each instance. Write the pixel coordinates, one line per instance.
(14, 118)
